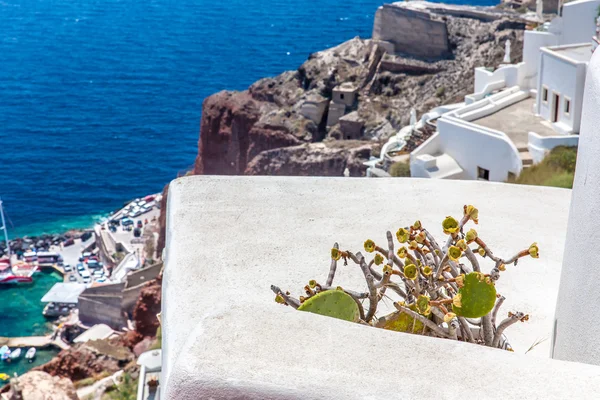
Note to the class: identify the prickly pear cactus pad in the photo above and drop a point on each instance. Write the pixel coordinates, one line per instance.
(405, 323)
(332, 303)
(436, 288)
(477, 296)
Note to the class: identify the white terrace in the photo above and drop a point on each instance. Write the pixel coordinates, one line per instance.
(517, 112)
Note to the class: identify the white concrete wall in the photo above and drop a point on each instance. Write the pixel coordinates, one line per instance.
(567, 80)
(430, 146)
(540, 146)
(577, 319)
(579, 21)
(224, 337)
(489, 105)
(475, 146)
(511, 75)
(533, 41)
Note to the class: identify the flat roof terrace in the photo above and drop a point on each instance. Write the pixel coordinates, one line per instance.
(517, 121)
(576, 53)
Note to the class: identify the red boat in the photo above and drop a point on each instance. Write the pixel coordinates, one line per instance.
(9, 274)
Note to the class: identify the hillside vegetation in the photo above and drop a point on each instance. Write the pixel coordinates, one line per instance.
(557, 169)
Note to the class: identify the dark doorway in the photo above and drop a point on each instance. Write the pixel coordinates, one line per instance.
(555, 103)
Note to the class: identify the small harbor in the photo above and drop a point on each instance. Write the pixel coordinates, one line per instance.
(41, 314)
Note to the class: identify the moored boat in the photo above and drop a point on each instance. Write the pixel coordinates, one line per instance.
(4, 353)
(15, 354)
(30, 355)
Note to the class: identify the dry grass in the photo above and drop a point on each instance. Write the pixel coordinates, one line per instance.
(557, 169)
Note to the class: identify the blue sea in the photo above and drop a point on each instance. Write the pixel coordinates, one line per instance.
(100, 101)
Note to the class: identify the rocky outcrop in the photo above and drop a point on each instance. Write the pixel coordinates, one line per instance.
(314, 159)
(89, 359)
(146, 308)
(38, 385)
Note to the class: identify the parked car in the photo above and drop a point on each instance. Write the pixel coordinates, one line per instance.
(92, 264)
(67, 268)
(140, 224)
(98, 273)
(126, 221)
(137, 232)
(69, 242)
(87, 279)
(101, 280)
(86, 235)
(80, 267)
(72, 278)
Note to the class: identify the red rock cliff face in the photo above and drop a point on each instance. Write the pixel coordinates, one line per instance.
(146, 308)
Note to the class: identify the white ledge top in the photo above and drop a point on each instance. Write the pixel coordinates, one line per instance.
(230, 238)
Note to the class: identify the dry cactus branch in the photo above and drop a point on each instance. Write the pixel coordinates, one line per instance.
(440, 293)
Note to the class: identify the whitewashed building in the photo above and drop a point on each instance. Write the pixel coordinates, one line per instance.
(517, 112)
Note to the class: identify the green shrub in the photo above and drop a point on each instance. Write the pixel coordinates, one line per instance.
(85, 382)
(557, 169)
(561, 180)
(440, 91)
(400, 170)
(563, 158)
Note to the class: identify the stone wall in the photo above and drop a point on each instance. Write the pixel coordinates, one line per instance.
(412, 32)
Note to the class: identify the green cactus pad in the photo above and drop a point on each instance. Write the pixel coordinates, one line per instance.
(477, 297)
(406, 323)
(333, 303)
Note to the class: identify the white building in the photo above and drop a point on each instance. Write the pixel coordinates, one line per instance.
(517, 112)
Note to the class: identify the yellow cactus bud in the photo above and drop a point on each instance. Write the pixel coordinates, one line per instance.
(460, 280)
(471, 235)
(423, 305)
(481, 251)
(502, 267)
(534, 251)
(413, 245)
(417, 225)
(427, 270)
(402, 251)
(402, 235)
(369, 246)
(449, 317)
(420, 238)
(336, 254)
(279, 299)
(378, 259)
(450, 225)
(488, 280)
(472, 213)
(387, 269)
(410, 271)
(454, 253)
(437, 252)
(457, 300)
(312, 283)
(461, 244)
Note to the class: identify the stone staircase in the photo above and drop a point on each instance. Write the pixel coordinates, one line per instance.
(525, 155)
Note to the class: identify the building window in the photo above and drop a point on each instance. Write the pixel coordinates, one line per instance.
(545, 94)
(567, 109)
(483, 174)
(342, 96)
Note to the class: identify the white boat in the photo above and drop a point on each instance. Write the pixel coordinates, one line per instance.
(30, 355)
(15, 354)
(4, 352)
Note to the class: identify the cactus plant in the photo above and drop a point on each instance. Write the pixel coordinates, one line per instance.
(477, 296)
(405, 323)
(332, 303)
(440, 291)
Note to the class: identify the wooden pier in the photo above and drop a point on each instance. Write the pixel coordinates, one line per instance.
(33, 341)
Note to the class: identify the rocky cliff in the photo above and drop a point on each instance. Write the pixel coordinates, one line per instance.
(38, 385)
(266, 130)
